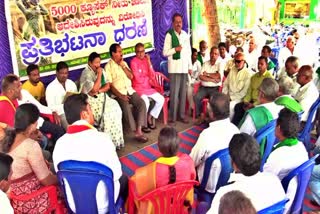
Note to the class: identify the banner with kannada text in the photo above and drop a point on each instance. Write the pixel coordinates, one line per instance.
(45, 32)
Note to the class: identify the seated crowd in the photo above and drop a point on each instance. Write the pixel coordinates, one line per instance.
(245, 91)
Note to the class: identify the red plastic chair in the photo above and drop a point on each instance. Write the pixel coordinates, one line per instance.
(166, 199)
(53, 198)
(159, 84)
(205, 101)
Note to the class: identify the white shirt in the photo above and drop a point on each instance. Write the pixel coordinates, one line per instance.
(252, 60)
(284, 54)
(224, 61)
(216, 137)
(196, 69)
(237, 83)
(28, 98)
(208, 68)
(206, 56)
(263, 190)
(280, 162)
(182, 65)
(90, 145)
(306, 96)
(248, 124)
(55, 94)
(5, 205)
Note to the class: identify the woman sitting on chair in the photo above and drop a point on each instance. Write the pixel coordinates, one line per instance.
(168, 169)
(106, 111)
(29, 169)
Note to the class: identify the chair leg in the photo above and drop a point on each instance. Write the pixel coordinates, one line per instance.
(165, 112)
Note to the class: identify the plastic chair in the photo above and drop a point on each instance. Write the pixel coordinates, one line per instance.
(53, 198)
(304, 135)
(226, 169)
(160, 80)
(302, 173)
(83, 178)
(277, 208)
(166, 199)
(204, 102)
(164, 70)
(266, 137)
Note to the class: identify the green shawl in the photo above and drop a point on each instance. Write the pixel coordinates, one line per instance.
(289, 103)
(286, 142)
(174, 43)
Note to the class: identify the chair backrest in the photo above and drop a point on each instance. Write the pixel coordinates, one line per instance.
(226, 168)
(169, 198)
(266, 136)
(302, 173)
(51, 190)
(164, 67)
(83, 178)
(277, 208)
(164, 70)
(160, 80)
(304, 135)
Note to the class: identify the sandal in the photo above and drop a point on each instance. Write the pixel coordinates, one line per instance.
(152, 125)
(141, 139)
(146, 130)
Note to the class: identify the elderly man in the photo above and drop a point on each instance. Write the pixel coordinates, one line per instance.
(291, 69)
(267, 110)
(288, 50)
(286, 85)
(204, 147)
(58, 89)
(120, 76)
(143, 76)
(308, 92)
(210, 77)
(237, 82)
(177, 49)
(252, 55)
(203, 54)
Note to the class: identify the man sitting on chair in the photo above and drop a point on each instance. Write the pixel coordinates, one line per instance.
(289, 146)
(255, 118)
(211, 75)
(263, 189)
(308, 92)
(213, 139)
(143, 77)
(83, 142)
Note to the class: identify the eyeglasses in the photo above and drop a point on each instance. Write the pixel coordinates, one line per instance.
(238, 60)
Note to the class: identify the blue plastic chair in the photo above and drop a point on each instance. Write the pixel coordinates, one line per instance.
(226, 168)
(164, 70)
(267, 136)
(83, 178)
(302, 173)
(304, 135)
(277, 208)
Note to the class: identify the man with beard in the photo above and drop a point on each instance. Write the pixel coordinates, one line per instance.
(34, 85)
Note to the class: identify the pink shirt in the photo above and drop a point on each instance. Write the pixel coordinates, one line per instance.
(142, 74)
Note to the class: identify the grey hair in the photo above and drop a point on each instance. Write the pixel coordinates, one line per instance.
(270, 88)
(286, 85)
